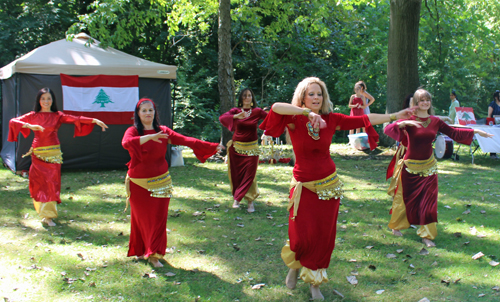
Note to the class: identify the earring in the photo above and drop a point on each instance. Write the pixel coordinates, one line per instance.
(251, 104)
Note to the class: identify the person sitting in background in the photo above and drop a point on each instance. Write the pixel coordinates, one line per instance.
(494, 109)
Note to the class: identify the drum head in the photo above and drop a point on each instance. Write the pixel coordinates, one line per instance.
(439, 146)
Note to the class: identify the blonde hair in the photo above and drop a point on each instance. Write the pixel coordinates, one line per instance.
(419, 95)
(300, 94)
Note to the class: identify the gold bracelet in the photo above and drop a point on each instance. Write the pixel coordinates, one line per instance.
(392, 116)
(306, 112)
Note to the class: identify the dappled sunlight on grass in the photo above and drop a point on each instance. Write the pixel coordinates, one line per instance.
(222, 252)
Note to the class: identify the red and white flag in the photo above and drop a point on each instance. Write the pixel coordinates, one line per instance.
(112, 99)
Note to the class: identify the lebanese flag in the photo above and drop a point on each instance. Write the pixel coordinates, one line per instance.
(111, 99)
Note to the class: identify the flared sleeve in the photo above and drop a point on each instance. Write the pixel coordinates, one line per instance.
(353, 122)
(202, 150)
(16, 126)
(132, 143)
(227, 119)
(274, 124)
(83, 125)
(462, 136)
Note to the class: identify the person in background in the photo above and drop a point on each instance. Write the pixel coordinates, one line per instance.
(415, 178)
(148, 182)
(243, 150)
(46, 156)
(315, 183)
(494, 109)
(452, 112)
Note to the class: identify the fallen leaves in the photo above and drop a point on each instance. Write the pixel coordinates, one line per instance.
(352, 279)
(477, 256)
(391, 256)
(493, 263)
(258, 286)
(423, 252)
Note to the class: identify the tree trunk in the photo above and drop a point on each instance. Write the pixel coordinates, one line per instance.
(226, 76)
(402, 61)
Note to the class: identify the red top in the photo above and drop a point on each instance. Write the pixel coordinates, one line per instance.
(51, 121)
(148, 159)
(312, 157)
(357, 111)
(420, 139)
(245, 130)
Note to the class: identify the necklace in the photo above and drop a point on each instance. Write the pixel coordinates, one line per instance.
(424, 123)
(313, 132)
(247, 113)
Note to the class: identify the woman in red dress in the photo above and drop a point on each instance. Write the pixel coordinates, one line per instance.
(46, 157)
(148, 182)
(357, 102)
(415, 175)
(243, 150)
(315, 184)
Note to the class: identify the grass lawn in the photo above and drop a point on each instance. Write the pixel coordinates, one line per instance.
(221, 253)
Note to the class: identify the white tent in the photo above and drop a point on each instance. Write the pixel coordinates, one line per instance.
(85, 55)
(22, 78)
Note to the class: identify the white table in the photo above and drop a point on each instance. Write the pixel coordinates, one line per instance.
(487, 145)
(491, 144)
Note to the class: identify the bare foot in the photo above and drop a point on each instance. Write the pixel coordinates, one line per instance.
(155, 262)
(251, 208)
(236, 204)
(140, 257)
(428, 242)
(397, 233)
(49, 222)
(316, 293)
(291, 278)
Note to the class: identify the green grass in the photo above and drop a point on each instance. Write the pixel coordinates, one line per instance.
(216, 260)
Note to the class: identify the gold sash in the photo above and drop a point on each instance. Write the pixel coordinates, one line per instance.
(326, 188)
(245, 148)
(49, 154)
(398, 167)
(423, 168)
(158, 186)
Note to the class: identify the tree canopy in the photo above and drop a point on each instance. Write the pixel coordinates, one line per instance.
(275, 44)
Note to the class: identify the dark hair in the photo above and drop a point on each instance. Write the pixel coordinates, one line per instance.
(42, 91)
(496, 95)
(240, 98)
(361, 83)
(137, 120)
(453, 93)
(407, 100)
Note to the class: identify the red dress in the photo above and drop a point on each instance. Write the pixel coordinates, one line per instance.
(420, 193)
(312, 232)
(149, 214)
(243, 168)
(357, 111)
(44, 177)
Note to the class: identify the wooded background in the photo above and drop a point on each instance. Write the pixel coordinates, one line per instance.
(273, 44)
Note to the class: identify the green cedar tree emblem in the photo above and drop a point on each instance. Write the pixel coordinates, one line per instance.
(102, 98)
(466, 117)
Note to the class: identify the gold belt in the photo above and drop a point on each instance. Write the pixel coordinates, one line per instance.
(158, 186)
(426, 167)
(245, 148)
(326, 188)
(49, 154)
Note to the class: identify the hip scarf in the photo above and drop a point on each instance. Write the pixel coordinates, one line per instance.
(158, 186)
(326, 188)
(423, 168)
(49, 154)
(245, 148)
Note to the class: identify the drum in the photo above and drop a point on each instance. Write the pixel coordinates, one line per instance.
(443, 147)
